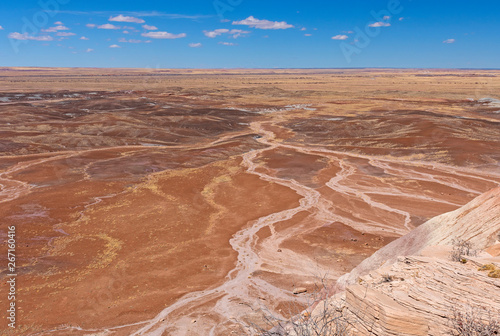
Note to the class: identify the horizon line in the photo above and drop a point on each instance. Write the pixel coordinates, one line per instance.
(245, 68)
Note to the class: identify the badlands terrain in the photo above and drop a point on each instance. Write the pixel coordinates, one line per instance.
(181, 202)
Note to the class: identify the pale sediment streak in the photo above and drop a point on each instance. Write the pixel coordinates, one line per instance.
(239, 280)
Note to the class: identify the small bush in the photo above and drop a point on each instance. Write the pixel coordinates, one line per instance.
(494, 274)
(474, 321)
(460, 249)
(329, 322)
(329, 319)
(388, 278)
(487, 267)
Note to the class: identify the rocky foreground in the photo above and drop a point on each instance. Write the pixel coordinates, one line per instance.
(413, 287)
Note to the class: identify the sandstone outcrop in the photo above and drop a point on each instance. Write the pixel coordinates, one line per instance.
(412, 287)
(477, 222)
(417, 295)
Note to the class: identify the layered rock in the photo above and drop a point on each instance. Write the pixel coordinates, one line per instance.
(477, 222)
(412, 286)
(417, 295)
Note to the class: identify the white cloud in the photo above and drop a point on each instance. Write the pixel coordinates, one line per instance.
(263, 24)
(195, 45)
(90, 25)
(124, 40)
(89, 50)
(401, 18)
(114, 46)
(237, 33)
(303, 29)
(55, 29)
(215, 33)
(1, 28)
(25, 36)
(84, 38)
(340, 37)
(163, 35)
(227, 43)
(234, 32)
(380, 24)
(58, 23)
(108, 26)
(65, 34)
(387, 17)
(449, 41)
(148, 27)
(138, 13)
(122, 18)
(126, 32)
(308, 35)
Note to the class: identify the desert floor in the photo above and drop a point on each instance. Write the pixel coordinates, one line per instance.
(181, 202)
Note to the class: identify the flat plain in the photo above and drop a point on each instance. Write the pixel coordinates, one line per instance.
(176, 202)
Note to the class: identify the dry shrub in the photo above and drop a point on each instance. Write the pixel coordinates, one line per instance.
(329, 319)
(487, 267)
(388, 278)
(494, 272)
(329, 322)
(474, 321)
(460, 249)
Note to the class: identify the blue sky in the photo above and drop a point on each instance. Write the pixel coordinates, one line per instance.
(251, 33)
